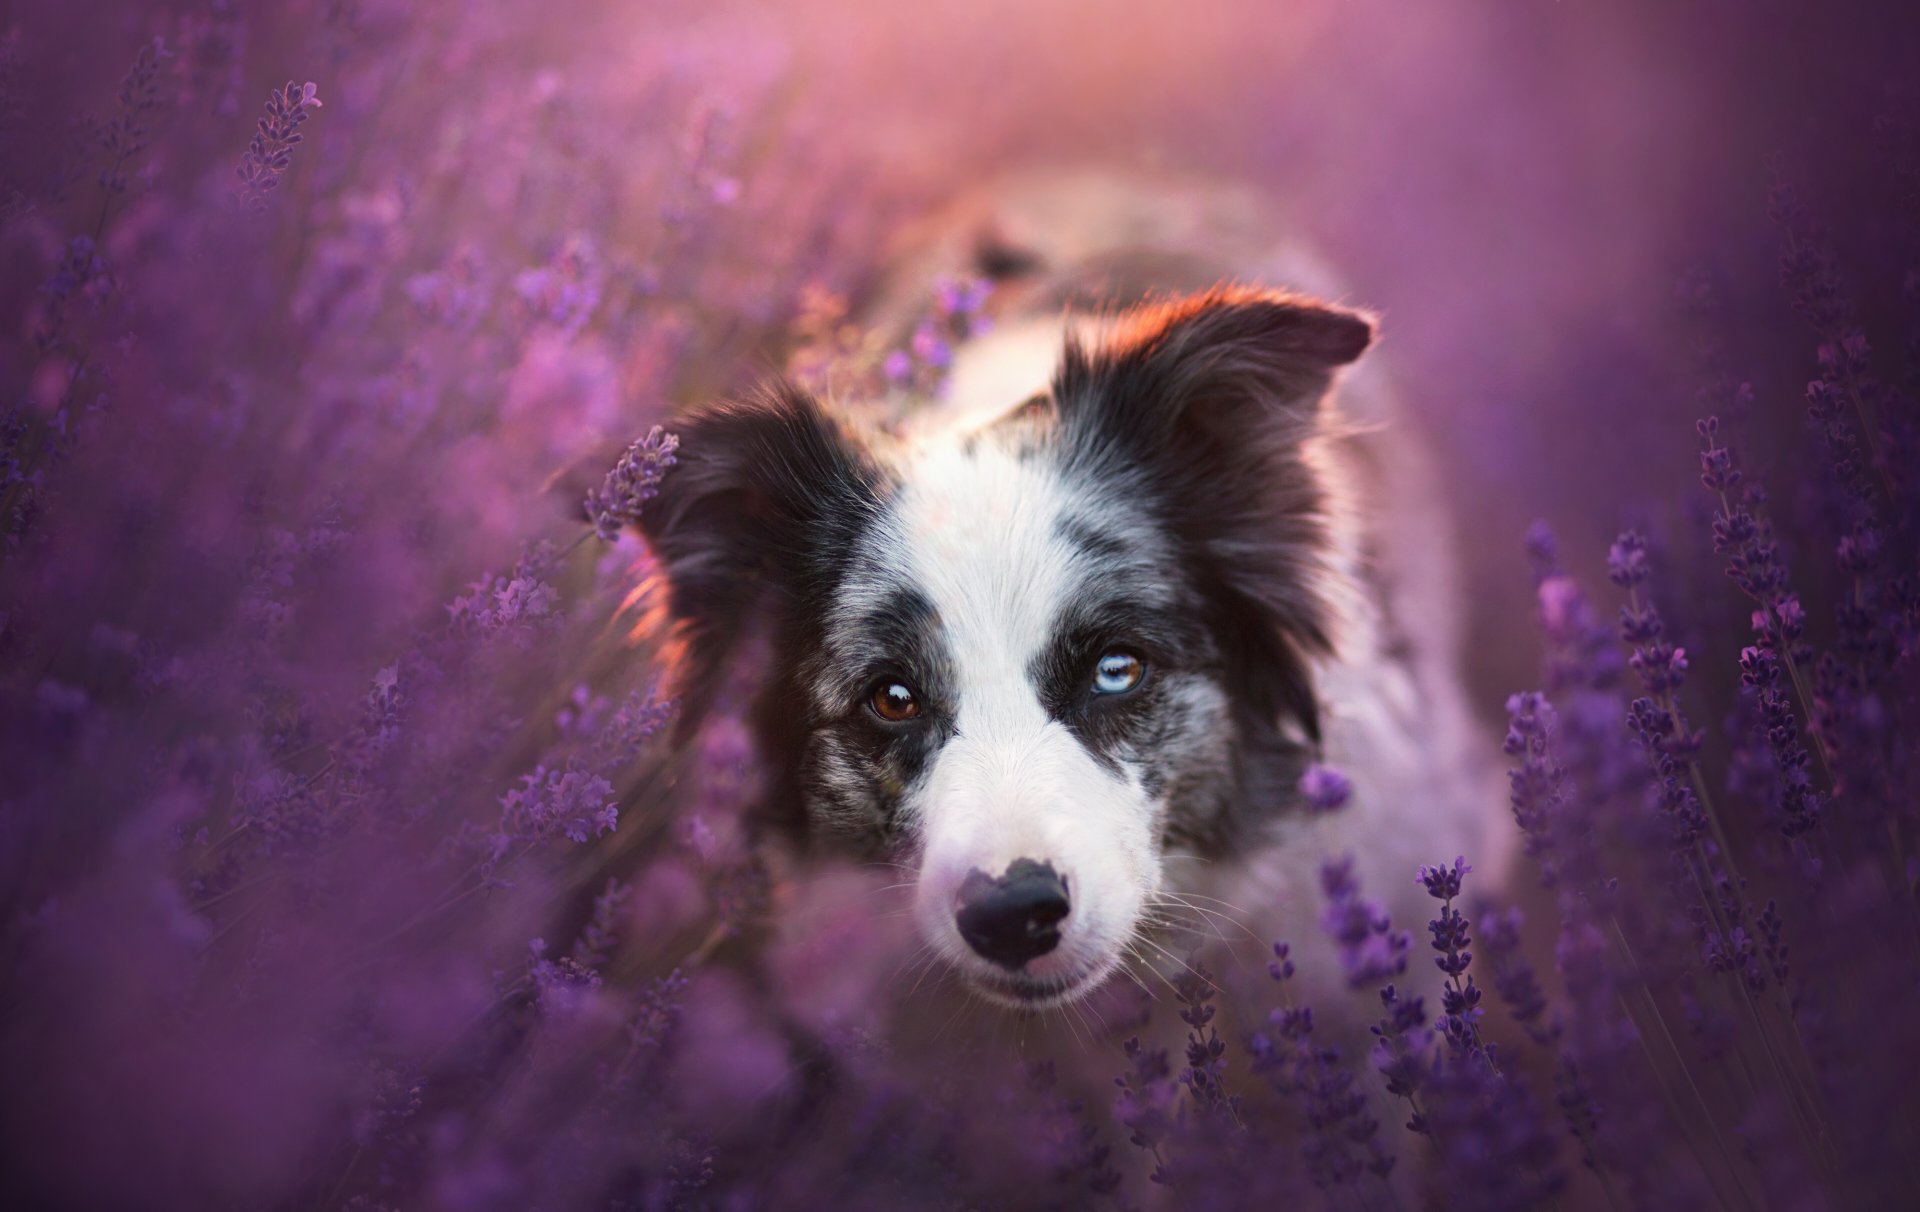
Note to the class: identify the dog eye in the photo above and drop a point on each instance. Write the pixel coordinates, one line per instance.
(894, 702)
(1117, 673)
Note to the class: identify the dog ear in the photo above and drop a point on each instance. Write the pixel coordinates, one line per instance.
(1202, 409)
(766, 492)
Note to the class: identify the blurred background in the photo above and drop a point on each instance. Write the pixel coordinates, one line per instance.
(1516, 187)
(298, 656)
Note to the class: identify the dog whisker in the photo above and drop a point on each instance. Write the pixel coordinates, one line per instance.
(966, 1003)
(1170, 955)
(927, 961)
(1212, 915)
(1148, 966)
(1128, 960)
(1161, 921)
(1066, 1020)
(1228, 905)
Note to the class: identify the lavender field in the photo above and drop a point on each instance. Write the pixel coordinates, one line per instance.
(352, 853)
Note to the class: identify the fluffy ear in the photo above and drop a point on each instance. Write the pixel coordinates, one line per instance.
(1202, 408)
(767, 494)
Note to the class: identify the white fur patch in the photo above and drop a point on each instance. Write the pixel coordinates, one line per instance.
(975, 530)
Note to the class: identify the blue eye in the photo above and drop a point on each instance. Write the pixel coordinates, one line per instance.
(1117, 673)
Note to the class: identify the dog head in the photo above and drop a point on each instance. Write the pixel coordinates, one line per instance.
(1029, 659)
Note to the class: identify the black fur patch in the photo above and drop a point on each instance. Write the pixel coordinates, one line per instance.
(752, 529)
(1197, 414)
(857, 766)
(1091, 539)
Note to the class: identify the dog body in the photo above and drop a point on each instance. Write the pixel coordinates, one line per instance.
(1062, 643)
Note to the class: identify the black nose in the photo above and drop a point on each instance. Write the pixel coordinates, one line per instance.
(1015, 918)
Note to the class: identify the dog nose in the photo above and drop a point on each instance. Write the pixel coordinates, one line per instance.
(1016, 917)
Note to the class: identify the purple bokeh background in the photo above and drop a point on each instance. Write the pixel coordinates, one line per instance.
(1514, 187)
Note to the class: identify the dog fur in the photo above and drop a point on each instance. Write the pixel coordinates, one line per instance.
(1142, 457)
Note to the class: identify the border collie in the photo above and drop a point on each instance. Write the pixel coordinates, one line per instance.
(1097, 609)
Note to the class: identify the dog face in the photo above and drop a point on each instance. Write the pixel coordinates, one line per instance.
(1029, 659)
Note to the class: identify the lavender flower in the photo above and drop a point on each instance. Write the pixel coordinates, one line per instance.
(930, 348)
(566, 292)
(634, 480)
(1460, 1001)
(957, 313)
(1324, 788)
(560, 985)
(1495, 1149)
(549, 803)
(1667, 747)
(1754, 564)
(1793, 790)
(1403, 1052)
(597, 939)
(511, 605)
(1583, 670)
(1655, 720)
(961, 297)
(1739, 533)
(1627, 560)
(1443, 883)
(271, 151)
(1206, 1051)
(283, 810)
(1536, 784)
(648, 1032)
(128, 134)
(1370, 949)
(1147, 1102)
(637, 720)
(1513, 976)
(1343, 1138)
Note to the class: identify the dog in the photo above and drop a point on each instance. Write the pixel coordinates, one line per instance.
(1063, 642)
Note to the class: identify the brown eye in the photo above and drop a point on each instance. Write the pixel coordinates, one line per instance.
(894, 702)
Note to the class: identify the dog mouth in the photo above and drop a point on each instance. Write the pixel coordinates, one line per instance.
(1020, 991)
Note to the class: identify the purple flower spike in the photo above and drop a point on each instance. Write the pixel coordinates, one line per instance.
(271, 151)
(1324, 788)
(1371, 951)
(634, 481)
(1627, 560)
(574, 804)
(1443, 883)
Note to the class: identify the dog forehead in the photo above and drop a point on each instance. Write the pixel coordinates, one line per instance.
(999, 545)
(981, 533)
